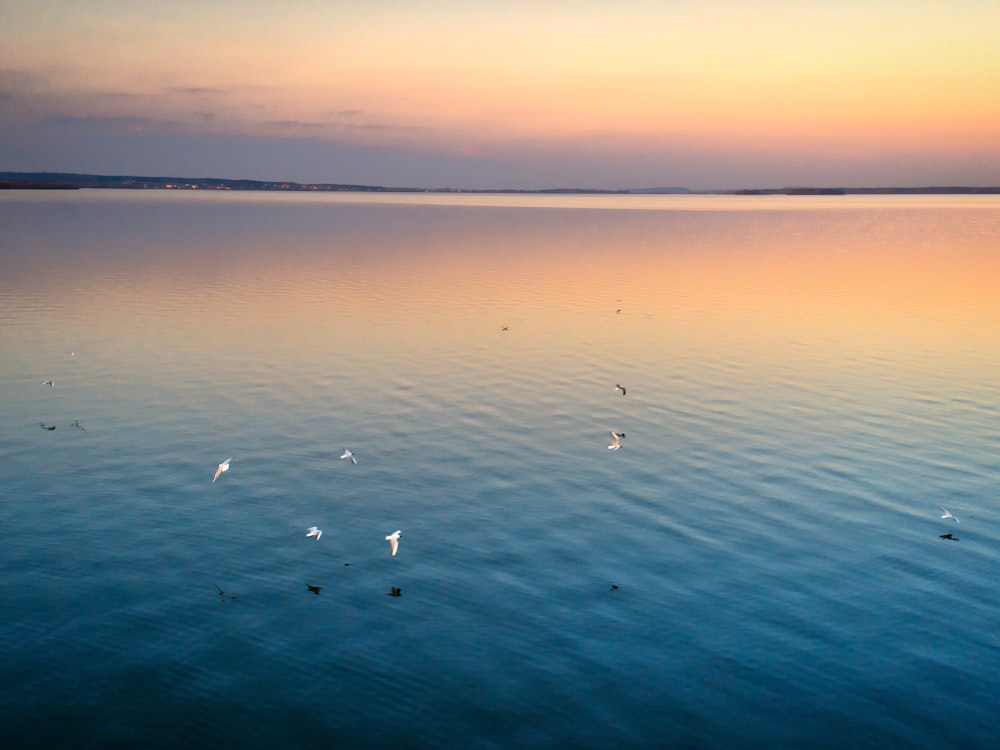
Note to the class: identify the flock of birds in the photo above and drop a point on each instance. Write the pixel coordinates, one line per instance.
(315, 532)
(393, 538)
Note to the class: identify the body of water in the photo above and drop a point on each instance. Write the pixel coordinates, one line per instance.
(760, 565)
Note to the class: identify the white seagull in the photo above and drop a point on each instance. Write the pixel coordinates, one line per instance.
(393, 540)
(348, 454)
(616, 440)
(620, 388)
(947, 514)
(224, 466)
(313, 531)
(49, 383)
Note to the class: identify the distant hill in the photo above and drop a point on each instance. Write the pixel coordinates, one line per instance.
(662, 191)
(73, 180)
(132, 182)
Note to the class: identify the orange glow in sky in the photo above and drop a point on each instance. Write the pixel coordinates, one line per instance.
(656, 84)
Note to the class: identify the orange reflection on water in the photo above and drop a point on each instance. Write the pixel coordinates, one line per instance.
(418, 277)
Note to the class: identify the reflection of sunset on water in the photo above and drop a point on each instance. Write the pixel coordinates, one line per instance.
(345, 275)
(807, 382)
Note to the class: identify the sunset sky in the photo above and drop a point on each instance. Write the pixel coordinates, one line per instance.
(547, 93)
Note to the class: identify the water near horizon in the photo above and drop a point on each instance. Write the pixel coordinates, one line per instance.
(760, 565)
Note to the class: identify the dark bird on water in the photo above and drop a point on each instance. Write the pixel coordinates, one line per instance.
(396, 591)
(46, 426)
(619, 387)
(949, 536)
(314, 589)
(223, 595)
(614, 586)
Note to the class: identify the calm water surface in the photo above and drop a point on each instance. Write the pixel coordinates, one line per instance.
(808, 380)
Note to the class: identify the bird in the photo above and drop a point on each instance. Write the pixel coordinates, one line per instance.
(223, 595)
(948, 536)
(620, 388)
(393, 540)
(47, 426)
(49, 383)
(224, 466)
(313, 531)
(616, 441)
(947, 514)
(505, 328)
(348, 454)
(614, 586)
(395, 591)
(77, 425)
(314, 589)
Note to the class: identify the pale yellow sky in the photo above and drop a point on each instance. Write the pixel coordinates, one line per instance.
(850, 80)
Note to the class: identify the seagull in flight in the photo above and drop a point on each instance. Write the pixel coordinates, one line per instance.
(620, 388)
(616, 440)
(947, 514)
(224, 466)
(49, 383)
(393, 540)
(313, 531)
(348, 454)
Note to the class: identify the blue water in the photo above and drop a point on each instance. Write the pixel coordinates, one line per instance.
(759, 566)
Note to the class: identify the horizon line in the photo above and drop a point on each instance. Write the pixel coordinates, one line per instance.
(78, 180)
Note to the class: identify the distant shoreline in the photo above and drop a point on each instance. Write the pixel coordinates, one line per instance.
(76, 181)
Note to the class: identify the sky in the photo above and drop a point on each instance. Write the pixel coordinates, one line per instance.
(705, 94)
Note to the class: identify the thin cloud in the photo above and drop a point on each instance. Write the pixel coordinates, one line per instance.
(295, 124)
(13, 79)
(197, 90)
(74, 120)
(108, 126)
